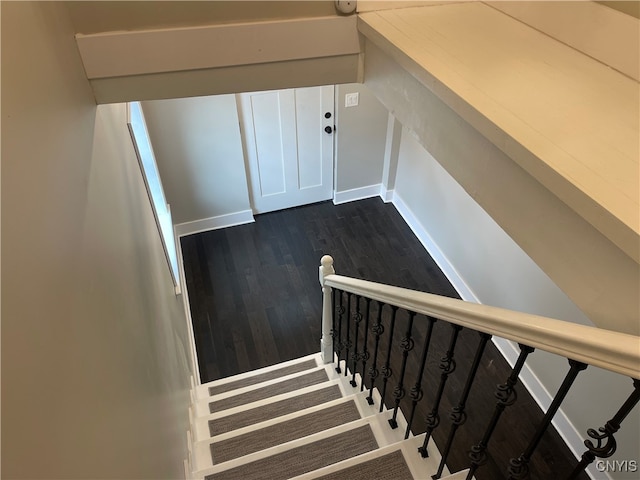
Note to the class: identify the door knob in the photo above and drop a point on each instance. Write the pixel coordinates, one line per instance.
(327, 115)
(328, 129)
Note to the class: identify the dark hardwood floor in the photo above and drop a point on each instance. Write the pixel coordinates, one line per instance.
(255, 301)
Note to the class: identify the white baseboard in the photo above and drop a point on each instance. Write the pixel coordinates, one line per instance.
(187, 469)
(508, 349)
(430, 245)
(195, 370)
(188, 462)
(386, 195)
(356, 194)
(214, 223)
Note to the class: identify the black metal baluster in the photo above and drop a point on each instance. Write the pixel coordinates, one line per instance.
(377, 330)
(606, 434)
(458, 415)
(386, 370)
(333, 324)
(340, 344)
(448, 366)
(407, 345)
(506, 396)
(357, 318)
(365, 352)
(519, 467)
(416, 392)
(347, 343)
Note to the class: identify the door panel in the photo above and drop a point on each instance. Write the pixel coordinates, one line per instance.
(268, 143)
(290, 156)
(309, 131)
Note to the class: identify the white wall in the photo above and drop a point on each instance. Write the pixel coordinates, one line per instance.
(199, 154)
(486, 265)
(360, 139)
(95, 355)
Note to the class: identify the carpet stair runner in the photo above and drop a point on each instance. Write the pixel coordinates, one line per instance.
(301, 420)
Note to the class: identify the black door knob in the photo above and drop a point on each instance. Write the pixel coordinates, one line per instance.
(327, 115)
(328, 129)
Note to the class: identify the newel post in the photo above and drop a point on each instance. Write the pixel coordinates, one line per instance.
(326, 268)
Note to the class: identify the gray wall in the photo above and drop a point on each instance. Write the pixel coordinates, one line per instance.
(499, 273)
(94, 341)
(199, 154)
(360, 139)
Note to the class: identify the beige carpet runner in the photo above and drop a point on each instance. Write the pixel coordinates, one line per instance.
(273, 410)
(305, 458)
(285, 386)
(284, 432)
(388, 467)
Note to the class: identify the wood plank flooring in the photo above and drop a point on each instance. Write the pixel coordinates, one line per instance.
(255, 301)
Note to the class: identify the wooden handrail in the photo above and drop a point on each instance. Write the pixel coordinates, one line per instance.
(613, 351)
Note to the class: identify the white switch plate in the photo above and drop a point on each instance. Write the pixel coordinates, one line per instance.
(351, 99)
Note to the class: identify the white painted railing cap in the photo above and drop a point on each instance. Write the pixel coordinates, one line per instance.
(613, 351)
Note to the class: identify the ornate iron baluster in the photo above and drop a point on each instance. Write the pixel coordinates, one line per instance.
(333, 324)
(458, 415)
(386, 370)
(377, 330)
(340, 344)
(506, 396)
(606, 434)
(357, 318)
(365, 352)
(448, 366)
(519, 467)
(347, 343)
(407, 345)
(416, 392)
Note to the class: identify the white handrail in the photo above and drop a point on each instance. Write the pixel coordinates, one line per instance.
(614, 351)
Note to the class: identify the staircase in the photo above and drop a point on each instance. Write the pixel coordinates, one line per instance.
(301, 419)
(317, 417)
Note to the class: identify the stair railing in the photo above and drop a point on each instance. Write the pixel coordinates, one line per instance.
(388, 306)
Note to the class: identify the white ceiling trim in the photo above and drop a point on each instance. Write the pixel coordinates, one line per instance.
(118, 54)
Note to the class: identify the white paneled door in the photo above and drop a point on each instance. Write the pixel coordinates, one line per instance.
(288, 137)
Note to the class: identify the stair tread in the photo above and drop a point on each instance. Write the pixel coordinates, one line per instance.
(420, 468)
(306, 458)
(391, 466)
(262, 377)
(285, 386)
(273, 410)
(280, 433)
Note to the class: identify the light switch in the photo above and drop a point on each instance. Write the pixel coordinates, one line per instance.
(351, 99)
